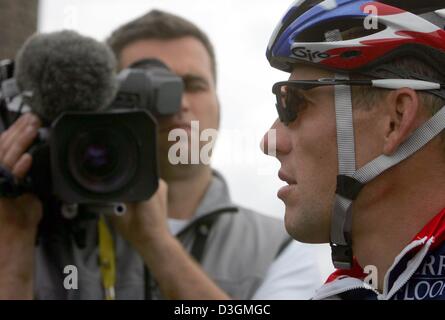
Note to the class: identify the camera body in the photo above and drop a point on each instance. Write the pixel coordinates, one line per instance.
(100, 157)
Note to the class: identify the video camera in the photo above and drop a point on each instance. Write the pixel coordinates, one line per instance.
(97, 158)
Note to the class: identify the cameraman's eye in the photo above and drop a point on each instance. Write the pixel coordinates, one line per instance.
(195, 83)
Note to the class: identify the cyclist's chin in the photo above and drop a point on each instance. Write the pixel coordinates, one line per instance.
(306, 223)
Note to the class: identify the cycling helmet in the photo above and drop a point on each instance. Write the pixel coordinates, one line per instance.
(354, 36)
(389, 29)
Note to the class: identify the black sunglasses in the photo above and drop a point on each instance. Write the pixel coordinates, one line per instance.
(290, 98)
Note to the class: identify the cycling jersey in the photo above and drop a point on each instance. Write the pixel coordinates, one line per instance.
(418, 272)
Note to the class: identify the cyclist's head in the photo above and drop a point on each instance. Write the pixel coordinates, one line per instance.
(366, 46)
(402, 40)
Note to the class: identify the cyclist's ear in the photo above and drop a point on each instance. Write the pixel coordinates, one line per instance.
(402, 117)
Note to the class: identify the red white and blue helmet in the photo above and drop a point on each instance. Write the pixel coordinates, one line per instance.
(353, 36)
(391, 28)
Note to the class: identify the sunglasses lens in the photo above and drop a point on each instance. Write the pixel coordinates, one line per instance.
(290, 100)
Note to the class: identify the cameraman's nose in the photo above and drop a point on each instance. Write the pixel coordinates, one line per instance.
(185, 103)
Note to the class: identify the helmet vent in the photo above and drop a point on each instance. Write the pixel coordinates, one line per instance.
(347, 28)
(333, 35)
(351, 54)
(415, 6)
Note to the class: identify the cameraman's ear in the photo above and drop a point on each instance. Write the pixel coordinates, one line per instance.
(402, 118)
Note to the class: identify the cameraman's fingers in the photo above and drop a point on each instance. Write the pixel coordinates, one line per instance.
(163, 190)
(10, 136)
(22, 166)
(20, 145)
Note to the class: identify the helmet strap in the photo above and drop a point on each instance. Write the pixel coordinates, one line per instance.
(341, 225)
(351, 181)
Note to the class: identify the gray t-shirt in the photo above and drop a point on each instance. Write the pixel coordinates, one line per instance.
(240, 247)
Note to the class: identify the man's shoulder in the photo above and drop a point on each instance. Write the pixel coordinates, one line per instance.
(255, 230)
(253, 214)
(254, 219)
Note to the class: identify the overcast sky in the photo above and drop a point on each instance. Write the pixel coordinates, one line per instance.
(240, 31)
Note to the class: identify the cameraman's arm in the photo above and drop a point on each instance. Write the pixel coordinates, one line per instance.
(19, 217)
(177, 274)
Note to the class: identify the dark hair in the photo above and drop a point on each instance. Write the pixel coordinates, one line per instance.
(160, 25)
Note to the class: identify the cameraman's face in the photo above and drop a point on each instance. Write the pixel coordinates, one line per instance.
(188, 58)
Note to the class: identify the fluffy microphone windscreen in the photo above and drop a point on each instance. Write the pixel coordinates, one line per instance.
(64, 71)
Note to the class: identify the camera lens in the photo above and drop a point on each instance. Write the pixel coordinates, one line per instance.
(99, 160)
(103, 160)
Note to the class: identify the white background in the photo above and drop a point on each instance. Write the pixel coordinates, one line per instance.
(240, 31)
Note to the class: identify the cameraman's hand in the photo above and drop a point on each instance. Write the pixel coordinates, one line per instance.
(145, 222)
(22, 213)
(178, 275)
(19, 217)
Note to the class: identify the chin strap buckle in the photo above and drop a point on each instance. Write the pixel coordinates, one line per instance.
(348, 189)
(342, 257)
